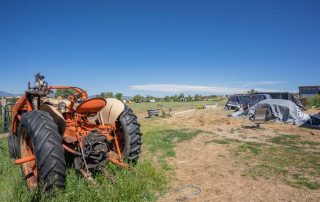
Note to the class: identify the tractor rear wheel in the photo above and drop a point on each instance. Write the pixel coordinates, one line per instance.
(38, 136)
(128, 130)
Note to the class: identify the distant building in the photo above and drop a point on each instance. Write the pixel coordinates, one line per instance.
(3, 102)
(126, 99)
(306, 91)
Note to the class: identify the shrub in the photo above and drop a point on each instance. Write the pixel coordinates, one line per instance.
(313, 101)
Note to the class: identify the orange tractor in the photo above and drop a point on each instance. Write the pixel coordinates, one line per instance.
(49, 132)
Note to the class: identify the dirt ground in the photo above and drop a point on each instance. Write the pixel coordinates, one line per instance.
(211, 168)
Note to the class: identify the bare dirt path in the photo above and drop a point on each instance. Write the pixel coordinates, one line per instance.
(211, 166)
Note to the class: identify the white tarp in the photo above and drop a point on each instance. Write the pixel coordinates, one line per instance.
(280, 110)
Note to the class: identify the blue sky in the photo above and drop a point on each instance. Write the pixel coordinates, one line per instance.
(161, 47)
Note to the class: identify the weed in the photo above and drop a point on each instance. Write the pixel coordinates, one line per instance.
(225, 141)
(252, 147)
(293, 140)
(305, 182)
(313, 101)
(286, 139)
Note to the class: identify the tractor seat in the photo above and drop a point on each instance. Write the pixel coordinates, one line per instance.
(91, 106)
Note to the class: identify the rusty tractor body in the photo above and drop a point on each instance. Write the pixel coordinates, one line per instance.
(49, 133)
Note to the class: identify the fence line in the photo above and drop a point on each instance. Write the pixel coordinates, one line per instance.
(5, 118)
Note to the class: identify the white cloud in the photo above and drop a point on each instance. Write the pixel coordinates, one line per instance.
(176, 88)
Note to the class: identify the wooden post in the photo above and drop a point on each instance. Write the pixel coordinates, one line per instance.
(2, 118)
(3, 105)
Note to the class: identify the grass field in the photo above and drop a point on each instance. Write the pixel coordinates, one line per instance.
(290, 158)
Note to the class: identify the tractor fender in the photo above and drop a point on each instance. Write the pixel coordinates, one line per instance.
(56, 115)
(111, 112)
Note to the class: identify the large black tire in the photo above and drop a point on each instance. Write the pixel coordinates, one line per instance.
(131, 129)
(47, 147)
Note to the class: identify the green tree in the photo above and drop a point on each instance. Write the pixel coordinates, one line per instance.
(64, 93)
(167, 99)
(101, 95)
(197, 97)
(158, 99)
(138, 98)
(118, 96)
(180, 96)
(189, 98)
(149, 97)
(106, 94)
(109, 94)
(174, 98)
(252, 91)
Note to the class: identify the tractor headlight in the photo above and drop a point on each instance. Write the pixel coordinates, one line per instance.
(62, 106)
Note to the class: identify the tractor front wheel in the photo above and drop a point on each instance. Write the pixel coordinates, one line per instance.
(38, 136)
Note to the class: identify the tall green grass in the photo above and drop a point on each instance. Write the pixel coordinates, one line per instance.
(141, 184)
(145, 183)
(313, 101)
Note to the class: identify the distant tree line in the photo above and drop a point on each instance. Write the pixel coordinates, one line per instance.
(149, 98)
(118, 96)
(64, 93)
